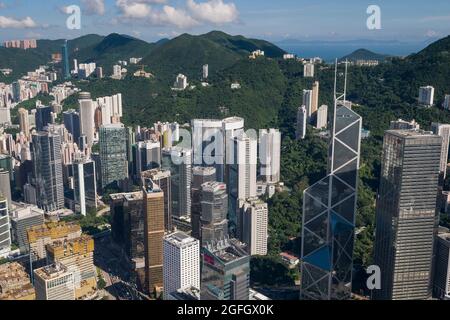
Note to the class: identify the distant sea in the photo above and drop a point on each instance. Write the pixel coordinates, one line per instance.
(329, 51)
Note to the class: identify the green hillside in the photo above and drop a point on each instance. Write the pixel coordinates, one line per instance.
(364, 54)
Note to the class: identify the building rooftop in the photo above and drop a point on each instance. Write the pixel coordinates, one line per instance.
(131, 196)
(412, 133)
(213, 186)
(14, 282)
(180, 239)
(228, 250)
(51, 271)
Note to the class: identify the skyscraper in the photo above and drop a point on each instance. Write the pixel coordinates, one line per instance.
(163, 179)
(270, 155)
(322, 117)
(308, 70)
(85, 184)
(113, 154)
(87, 117)
(153, 234)
(65, 60)
(225, 271)
(255, 223)
(315, 97)
(47, 170)
(443, 130)
(54, 282)
(406, 214)
(200, 175)
(24, 217)
(441, 277)
(43, 117)
(241, 178)
(179, 161)
(205, 72)
(71, 120)
(5, 235)
(329, 211)
(308, 102)
(24, 121)
(214, 209)
(181, 263)
(147, 156)
(302, 116)
(447, 102)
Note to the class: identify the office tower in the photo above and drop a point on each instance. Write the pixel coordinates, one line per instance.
(127, 212)
(200, 175)
(322, 117)
(441, 275)
(329, 211)
(24, 217)
(43, 117)
(47, 170)
(255, 223)
(147, 156)
(54, 282)
(153, 234)
(5, 235)
(406, 214)
(5, 186)
(113, 154)
(443, 130)
(426, 96)
(87, 114)
(242, 178)
(270, 155)
(181, 263)
(24, 121)
(447, 102)
(163, 179)
(308, 102)
(15, 283)
(225, 271)
(65, 61)
(208, 145)
(315, 97)
(179, 162)
(85, 184)
(41, 235)
(404, 125)
(308, 70)
(72, 123)
(205, 71)
(77, 255)
(302, 116)
(214, 209)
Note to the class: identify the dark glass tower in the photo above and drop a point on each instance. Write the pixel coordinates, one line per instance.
(329, 208)
(407, 217)
(65, 60)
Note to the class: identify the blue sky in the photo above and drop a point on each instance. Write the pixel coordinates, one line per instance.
(406, 20)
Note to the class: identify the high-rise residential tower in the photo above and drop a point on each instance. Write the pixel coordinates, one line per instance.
(406, 218)
(87, 117)
(255, 223)
(308, 102)
(315, 97)
(443, 130)
(329, 211)
(270, 155)
(302, 117)
(426, 96)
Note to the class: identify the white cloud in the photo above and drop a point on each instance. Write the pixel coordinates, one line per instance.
(12, 23)
(213, 11)
(145, 10)
(173, 16)
(94, 7)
